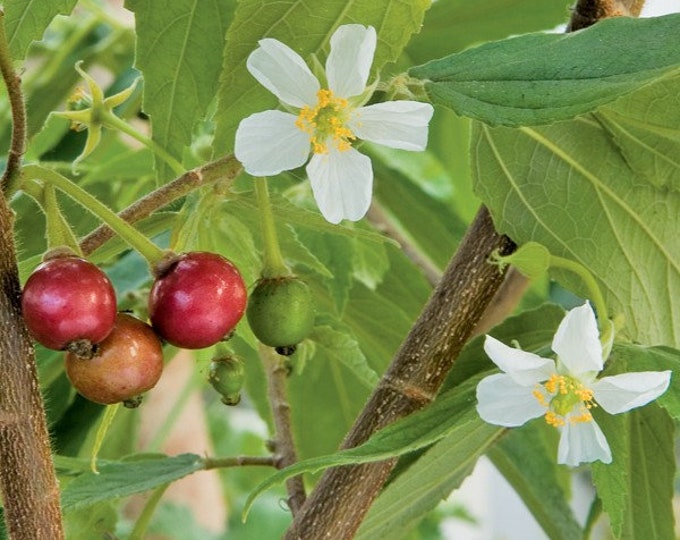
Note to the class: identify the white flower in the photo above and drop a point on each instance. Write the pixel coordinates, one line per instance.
(564, 391)
(328, 121)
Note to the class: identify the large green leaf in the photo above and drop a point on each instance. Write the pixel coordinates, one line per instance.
(543, 78)
(177, 44)
(306, 27)
(26, 21)
(636, 489)
(568, 187)
(122, 478)
(456, 24)
(648, 136)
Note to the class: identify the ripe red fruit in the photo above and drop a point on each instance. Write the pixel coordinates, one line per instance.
(197, 301)
(68, 300)
(126, 364)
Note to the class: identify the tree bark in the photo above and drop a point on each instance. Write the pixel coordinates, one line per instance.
(340, 501)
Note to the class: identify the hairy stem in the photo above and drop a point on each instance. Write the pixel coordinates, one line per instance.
(283, 443)
(340, 501)
(27, 478)
(588, 12)
(226, 168)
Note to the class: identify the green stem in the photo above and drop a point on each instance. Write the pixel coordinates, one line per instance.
(127, 232)
(102, 430)
(274, 265)
(142, 524)
(238, 461)
(110, 120)
(594, 293)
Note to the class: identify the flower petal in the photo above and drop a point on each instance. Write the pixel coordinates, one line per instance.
(268, 143)
(621, 393)
(503, 402)
(582, 442)
(523, 367)
(350, 59)
(577, 341)
(397, 124)
(283, 72)
(342, 183)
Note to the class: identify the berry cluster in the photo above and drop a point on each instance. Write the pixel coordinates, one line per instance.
(69, 304)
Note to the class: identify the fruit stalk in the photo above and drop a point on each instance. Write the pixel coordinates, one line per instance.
(274, 265)
(341, 499)
(27, 479)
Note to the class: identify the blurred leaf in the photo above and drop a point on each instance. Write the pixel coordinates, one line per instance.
(26, 22)
(529, 466)
(307, 29)
(123, 478)
(636, 489)
(176, 46)
(569, 188)
(648, 137)
(91, 522)
(456, 24)
(542, 78)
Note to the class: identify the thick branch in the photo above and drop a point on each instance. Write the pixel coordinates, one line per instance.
(588, 12)
(226, 168)
(27, 478)
(283, 443)
(337, 506)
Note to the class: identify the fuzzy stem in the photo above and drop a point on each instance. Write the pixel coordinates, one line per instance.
(238, 461)
(284, 445)
(588, 12)
(274, 265)
(138, 241)
(27, 479)
(342, 497)
(112, 121)
(16, 100)
(59, 232)
(226, 169)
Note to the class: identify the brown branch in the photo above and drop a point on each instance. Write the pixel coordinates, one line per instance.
(283, 444)
(588, 12)
(504, 302)
(27, 478)
(226, 168)
(337, 506)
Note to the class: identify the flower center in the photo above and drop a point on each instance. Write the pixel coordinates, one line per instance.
(325, 123)
(566, 400)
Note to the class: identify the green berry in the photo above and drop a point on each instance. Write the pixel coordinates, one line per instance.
(281, 312)
(226, 377)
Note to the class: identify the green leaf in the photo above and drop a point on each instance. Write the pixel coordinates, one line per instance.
(176, 51)
(528, 464)
(456, 24)
(648, 136)
(567, 187)
(306, 28)
(413, 432)
(26, 21)
(440, 470)
(340, 347)
(543, 78)
(122, 478)
(637, 487)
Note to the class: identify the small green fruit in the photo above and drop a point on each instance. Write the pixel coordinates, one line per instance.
(226, 377)
(281, 312)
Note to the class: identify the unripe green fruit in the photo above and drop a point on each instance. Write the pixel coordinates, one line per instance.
(226, 377)
(281, 312)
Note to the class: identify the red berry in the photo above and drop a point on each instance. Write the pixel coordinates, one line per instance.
(66, 300)
(197, 301)
(126, 364)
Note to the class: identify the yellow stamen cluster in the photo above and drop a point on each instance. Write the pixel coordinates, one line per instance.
(562, 395)
(326, 122)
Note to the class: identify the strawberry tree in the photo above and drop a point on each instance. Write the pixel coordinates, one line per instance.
(390, 237)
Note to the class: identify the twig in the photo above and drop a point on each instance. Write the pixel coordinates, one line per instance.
(27, 479)
(226, 168)
(337, 506)
(376, 215)
(283, 443)
(16, 101)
